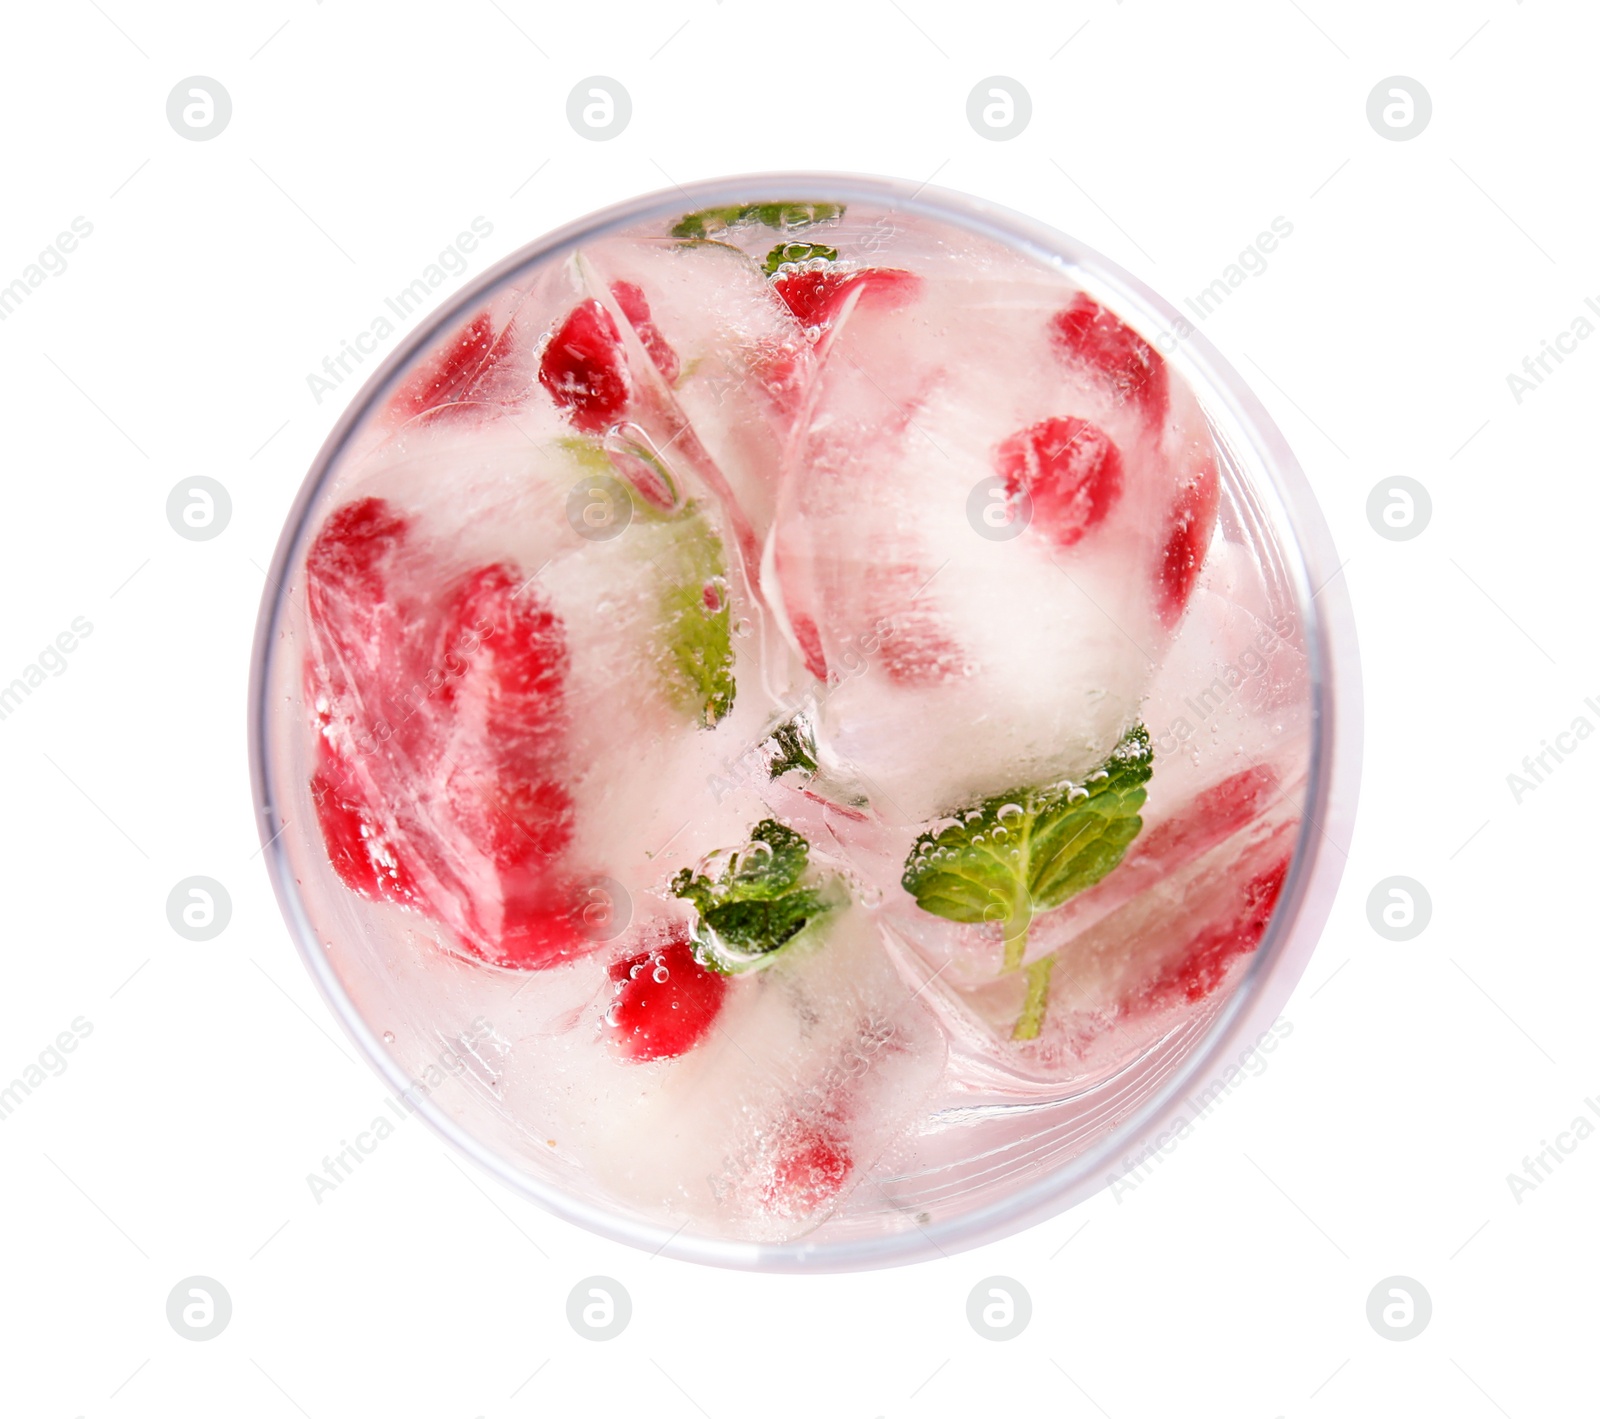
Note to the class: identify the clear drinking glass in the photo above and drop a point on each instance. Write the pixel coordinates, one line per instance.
(992, 1157)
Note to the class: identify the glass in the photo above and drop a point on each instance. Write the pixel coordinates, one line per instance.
(998, 1152)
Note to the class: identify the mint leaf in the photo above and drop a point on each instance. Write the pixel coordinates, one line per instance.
(697, 613)
(792, 251)
(695, 650)
(756, 905)
(793, 748)
(781, 216)
(1065, 838)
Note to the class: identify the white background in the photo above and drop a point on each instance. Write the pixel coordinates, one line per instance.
(177, 342)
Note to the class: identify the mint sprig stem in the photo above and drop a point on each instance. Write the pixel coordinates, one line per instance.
(1037, 999)
(1029, 850)
(1014, 934)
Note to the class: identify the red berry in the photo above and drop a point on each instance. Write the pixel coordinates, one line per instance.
(360, 847)
(810, 641)
(582, 368)
(359, 658)
(1204, 963)
(665, 1002)
(915, 648)
(1070, 470)
(469, 370)
(1189, 534)
(1215, 813)
(540, 930)
(777, 369)
(1088, 335)
(363, 655)
(440, 716)
(817, 294)
(352, 548)
(631, 302)
(808, 1170)
(502, 716)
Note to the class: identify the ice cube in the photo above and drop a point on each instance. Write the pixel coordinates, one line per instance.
(1018, 660)
(1116, 986)
(813, 1069)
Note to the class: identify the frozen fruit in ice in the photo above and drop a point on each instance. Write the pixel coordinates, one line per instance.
(499, 739)
(350, 551)
(914, 644)
(1089, 336)
(809, 640)
(582, 368)
(665, 1000)
(810, 1164)
(475, 367)
(440, 710)
(631, 302)
(1070, 470)
(1213, 814)
(1203, 964)
(816, 292)
(1188, 535)
(361, 847)
(364, 657)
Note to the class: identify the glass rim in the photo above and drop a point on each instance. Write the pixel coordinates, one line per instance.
(1333, 677)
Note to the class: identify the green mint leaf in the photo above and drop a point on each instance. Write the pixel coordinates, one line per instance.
(696, 649)
(1065, 838)
(696, 611)
(791, 251)
(756, 905)
(793, 747)
(780, 216)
